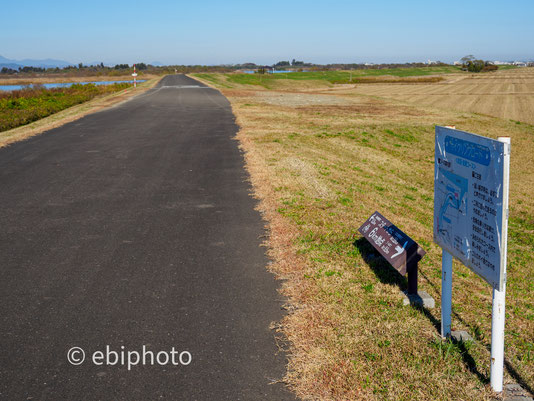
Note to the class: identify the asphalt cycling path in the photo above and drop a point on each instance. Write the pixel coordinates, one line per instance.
(134, 227)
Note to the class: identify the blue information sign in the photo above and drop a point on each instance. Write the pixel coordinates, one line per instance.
(470, 196)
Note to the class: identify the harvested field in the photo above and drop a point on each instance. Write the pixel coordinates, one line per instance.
(506, 94)
(321, 161)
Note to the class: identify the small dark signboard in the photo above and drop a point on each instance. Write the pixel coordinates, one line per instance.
(396, 247)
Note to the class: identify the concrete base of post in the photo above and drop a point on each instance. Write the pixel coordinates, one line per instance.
(460, 336)
(514, 392)
(420, 299)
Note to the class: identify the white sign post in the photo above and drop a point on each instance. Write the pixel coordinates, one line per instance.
(471, 185)
(499, 295)
(134, 75)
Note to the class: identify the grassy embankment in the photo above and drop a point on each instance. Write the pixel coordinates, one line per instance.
(49, 78)
(92, 101)
(27, 105)
(321, 162)
(397, 75)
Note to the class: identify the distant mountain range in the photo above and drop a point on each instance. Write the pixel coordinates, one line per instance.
(46, 63)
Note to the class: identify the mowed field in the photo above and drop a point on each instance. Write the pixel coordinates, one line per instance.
(322, 158)
(506, 94)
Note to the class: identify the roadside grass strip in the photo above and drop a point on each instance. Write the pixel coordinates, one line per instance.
(320, 169)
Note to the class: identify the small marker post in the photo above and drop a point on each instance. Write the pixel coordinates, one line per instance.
(134, 75)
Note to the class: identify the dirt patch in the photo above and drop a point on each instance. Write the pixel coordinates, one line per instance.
(238, 92)
(301, 99)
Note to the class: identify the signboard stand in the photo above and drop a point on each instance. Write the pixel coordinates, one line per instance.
(446, 293)
(471, 187)
(498, 306)
(413, 268)
(497, 340)
(413, 296)
(402, 252)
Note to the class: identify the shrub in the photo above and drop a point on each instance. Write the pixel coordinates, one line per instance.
(490, 67)
(475, 65)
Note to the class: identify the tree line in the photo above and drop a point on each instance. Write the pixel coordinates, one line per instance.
(469, 63)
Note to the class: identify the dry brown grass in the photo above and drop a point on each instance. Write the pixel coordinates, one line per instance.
(73, 113)
(506, 94)
(321, 163)
(397, 80)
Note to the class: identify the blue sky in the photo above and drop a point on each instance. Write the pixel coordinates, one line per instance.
(217, 32)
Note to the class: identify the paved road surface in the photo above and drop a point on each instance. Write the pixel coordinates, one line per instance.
(129, 227)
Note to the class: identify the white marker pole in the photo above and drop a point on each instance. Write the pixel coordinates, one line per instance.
(446, 293)
(497, 339)
(135, 78)
(498, 309)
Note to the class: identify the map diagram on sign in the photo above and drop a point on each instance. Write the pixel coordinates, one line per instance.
(452, 201)
(469, 203)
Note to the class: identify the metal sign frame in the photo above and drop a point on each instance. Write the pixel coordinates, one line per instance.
(493, 157)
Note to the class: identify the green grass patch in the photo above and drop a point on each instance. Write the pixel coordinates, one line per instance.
(27, 105)
(270, 81)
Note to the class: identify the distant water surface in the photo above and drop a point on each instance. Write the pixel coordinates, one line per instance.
(271, 71)
(66, 84)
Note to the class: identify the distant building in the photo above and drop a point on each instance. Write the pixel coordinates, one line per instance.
(520, 64)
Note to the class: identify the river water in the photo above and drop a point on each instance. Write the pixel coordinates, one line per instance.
(67, 84)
